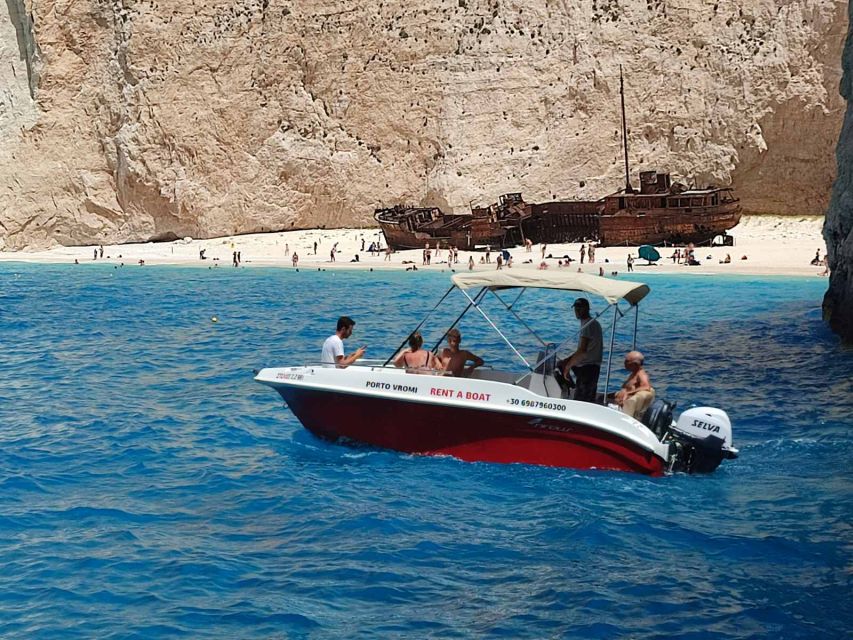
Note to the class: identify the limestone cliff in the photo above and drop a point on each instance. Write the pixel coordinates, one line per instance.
(126, 120)
(838, 230)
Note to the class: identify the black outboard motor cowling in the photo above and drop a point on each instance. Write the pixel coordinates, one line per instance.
(658, 417)
(698, 456)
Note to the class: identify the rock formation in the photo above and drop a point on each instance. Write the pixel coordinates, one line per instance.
(838, 230)
(127, 120)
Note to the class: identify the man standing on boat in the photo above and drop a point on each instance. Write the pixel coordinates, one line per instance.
(333, 347)
(585, 362)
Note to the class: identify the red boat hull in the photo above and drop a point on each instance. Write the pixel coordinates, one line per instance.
(474, 435)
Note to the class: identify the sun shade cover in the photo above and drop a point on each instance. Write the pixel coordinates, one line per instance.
(609, 289)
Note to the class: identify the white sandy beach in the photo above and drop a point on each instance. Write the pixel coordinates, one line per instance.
(773, 245)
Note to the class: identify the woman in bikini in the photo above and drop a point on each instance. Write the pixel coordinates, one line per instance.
(417, 359)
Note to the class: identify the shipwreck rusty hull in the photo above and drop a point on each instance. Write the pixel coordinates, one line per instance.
(672, 226)
(559, 222)
(497, 226)
(660, 212)
(466, 239)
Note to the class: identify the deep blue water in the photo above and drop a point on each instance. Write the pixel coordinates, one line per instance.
(149, 488)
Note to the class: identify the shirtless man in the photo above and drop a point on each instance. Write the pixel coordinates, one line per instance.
(637, 393)
(456, 359)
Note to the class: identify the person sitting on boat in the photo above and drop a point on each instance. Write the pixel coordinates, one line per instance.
(333, 347)
(417, 359)
(455, 360)
(637, 393)
(585, 362)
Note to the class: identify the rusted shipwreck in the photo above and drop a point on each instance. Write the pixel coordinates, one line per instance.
(498, 225)
(661, 211)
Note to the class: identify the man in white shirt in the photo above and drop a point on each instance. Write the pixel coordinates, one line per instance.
(585, 362)
(333, 347)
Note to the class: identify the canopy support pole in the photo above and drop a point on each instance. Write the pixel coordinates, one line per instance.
(610, 353)
(494, 326)
(636, 320)
(518, 297)
(429, 313)
(480, 294)
(517, 317)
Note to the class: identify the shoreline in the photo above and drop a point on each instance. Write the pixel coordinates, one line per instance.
(774, 245)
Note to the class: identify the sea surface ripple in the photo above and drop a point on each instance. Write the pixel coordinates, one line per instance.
(150, 489)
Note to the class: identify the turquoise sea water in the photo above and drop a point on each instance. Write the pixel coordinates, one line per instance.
(149, 488)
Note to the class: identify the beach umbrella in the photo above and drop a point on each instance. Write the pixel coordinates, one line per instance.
(648, 252)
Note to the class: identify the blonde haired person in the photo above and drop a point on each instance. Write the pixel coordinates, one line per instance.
(637, 393)
(416, 359)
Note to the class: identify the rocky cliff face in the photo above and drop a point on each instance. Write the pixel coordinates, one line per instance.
(126, 120)
(838, 230)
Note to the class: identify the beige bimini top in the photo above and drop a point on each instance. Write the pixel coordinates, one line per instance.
(609, 289)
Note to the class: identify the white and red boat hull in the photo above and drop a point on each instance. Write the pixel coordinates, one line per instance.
(470, 419)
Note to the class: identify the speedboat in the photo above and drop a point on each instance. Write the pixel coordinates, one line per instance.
(522, 416)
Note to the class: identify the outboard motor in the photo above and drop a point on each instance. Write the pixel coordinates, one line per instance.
(702, 438)
(658, 417)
